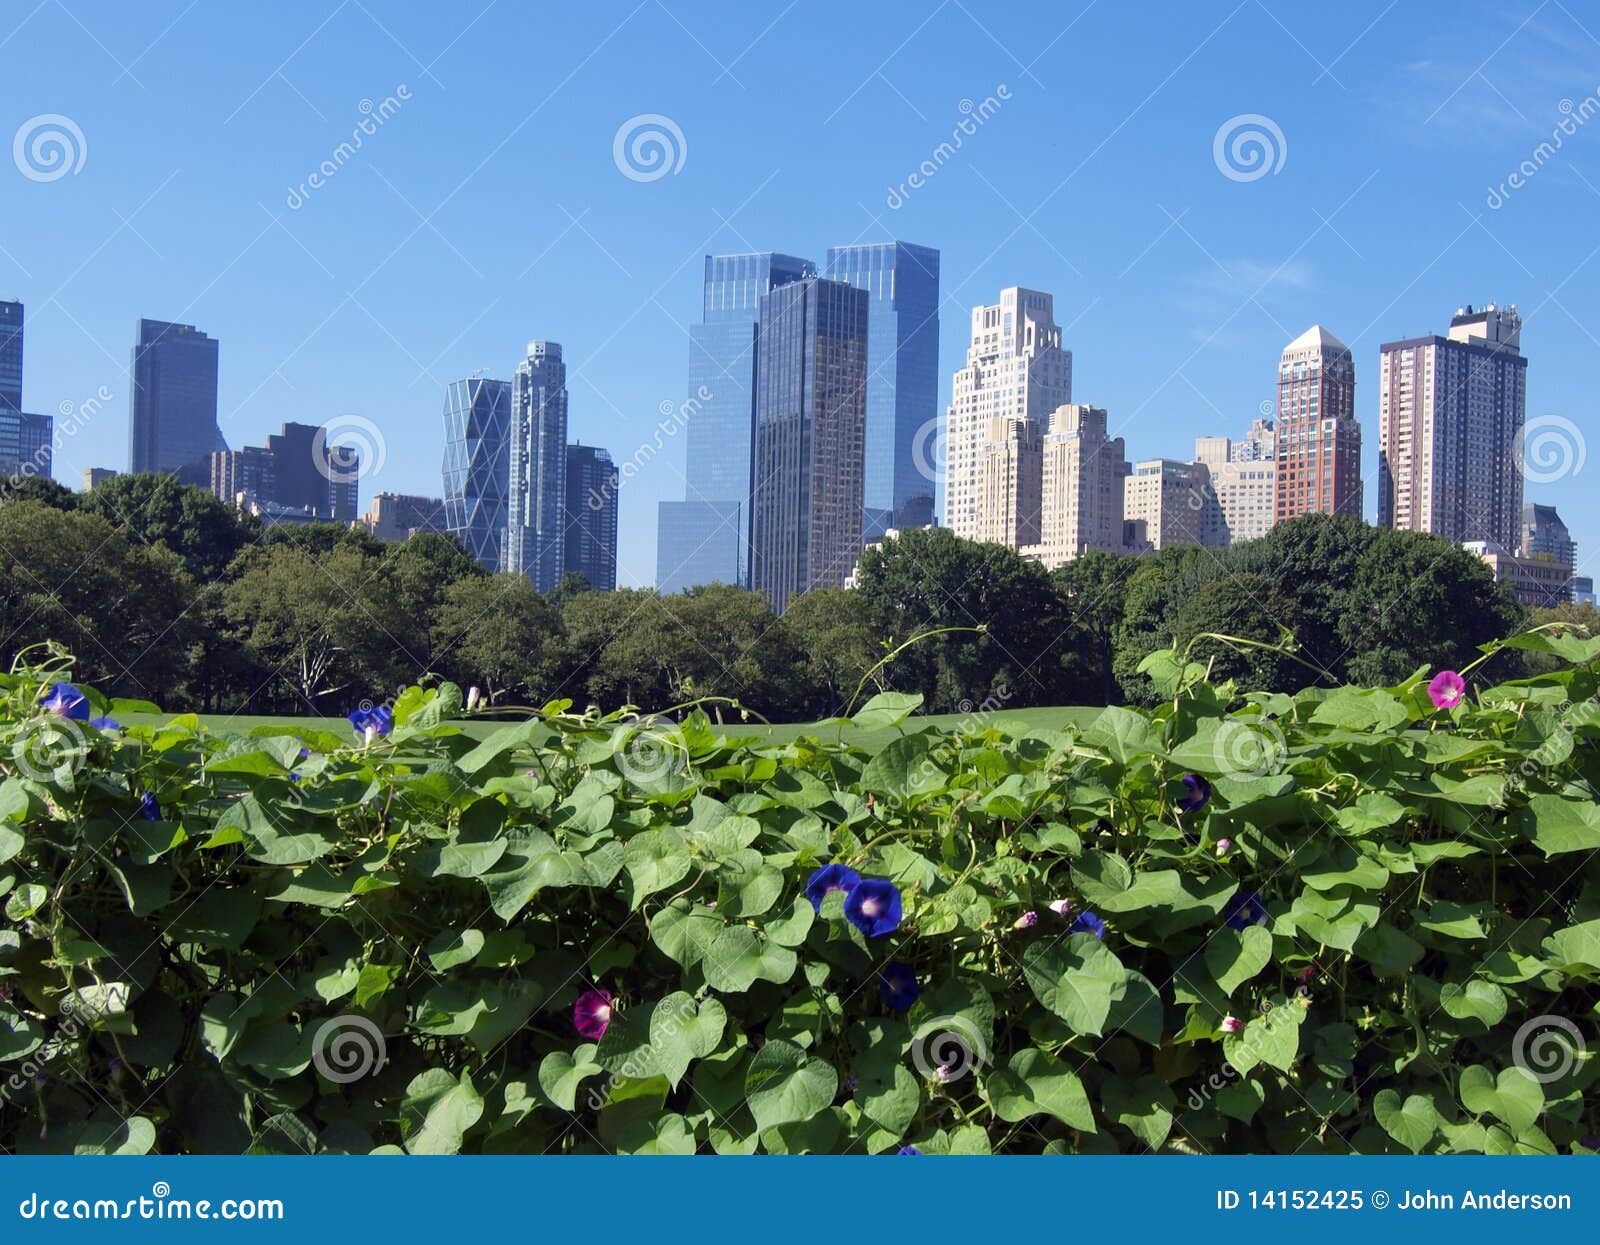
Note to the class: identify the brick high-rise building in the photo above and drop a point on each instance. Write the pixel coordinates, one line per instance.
(1318, 440)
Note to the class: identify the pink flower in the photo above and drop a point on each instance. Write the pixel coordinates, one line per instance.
(1026, 921)
(1447, 689)
(1232, 1024)
(1224, 846)
(592, 1013)
(1061, 906)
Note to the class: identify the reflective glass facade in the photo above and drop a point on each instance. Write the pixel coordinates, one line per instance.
(719, 432)
(591, 521)
(172, 423)
(810, 434)
(477, 413)
(26, 444)
(10, 356)
(537, 475)
(902, 282)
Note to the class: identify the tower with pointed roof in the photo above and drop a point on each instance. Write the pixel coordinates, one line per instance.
(1318, 441)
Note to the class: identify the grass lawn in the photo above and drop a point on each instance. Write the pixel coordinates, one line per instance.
(1014, 722)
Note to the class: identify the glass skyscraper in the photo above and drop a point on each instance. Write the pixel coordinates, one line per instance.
(27, 444)
(537, 474)
(902, 282)
(706, 538)
(10, 357)
(477, 414)
(591, 519)
(172, 424)
(810, 437)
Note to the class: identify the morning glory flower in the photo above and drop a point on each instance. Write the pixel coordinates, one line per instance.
(105, 724)
(1061, 906)
(592, 1013)
(370, 723)
(149, 806)
(1447, 689)
(1244, 910)
(1224, 846)
(828, 879)
(66, 701)
(1026, 921)
(873, 907)
(907, 1150)
(1232, 1024)
(1196, 792)
(1088, 923)
(897, 983)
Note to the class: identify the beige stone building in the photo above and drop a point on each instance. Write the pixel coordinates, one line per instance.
(1080, 486)
(1008, 510)
(1241, 488)
(1164, 502)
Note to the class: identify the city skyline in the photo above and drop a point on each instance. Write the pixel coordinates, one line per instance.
(1175, 274)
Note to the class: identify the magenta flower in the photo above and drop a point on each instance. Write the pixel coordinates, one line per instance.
(1447, 689)
(1232, 1024)
(592, 1013)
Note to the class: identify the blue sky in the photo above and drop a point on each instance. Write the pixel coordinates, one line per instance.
(487, 209)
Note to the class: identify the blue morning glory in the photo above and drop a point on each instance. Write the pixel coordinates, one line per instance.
(1244, 910)
(897, 983)
(149, 806)
(1196, 792)
(105, 724)
(1088, 923)
(907, 1150)
(372, 722)
(873, 907)
(66, 701)
(830, 878)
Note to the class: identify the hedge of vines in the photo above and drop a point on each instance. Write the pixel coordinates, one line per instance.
(1351, 920)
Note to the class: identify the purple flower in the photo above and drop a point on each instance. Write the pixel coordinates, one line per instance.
(873, 907)
(1088, 923)
(105, 724)
(1447, 689)
(1026, 921)
(372, 722)
(1224, 846)
(149, 806)
(592, 1013)
(1061, 906)
(897, 983)
(1243, 910)
(907, 1150)
(828, 879)
(66, 701)
(1196, 792)
(1232, 1024)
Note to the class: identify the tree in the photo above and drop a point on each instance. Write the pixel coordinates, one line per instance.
(1092, 588)
(837, 649)
(155, 509)
(926, 580)
(497, 633)
(423, 570)
(38, 488)
(120, 607)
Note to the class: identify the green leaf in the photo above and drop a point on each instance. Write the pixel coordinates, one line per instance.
(1272, 1038)
(909, 766)
(1143, 1106)
(1479, 1000)
(1558, 825)
(1234, 957)
(655, 860)
(682, 1031)
(1513, 1097)
(561, 1074)
(784, 1085)
(437, 1112)
(1077, 979)
(1037, 1083)
(1413, 1123)
(886, 709)
(739, 956)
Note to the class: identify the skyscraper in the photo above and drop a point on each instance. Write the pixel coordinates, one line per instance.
(27, 444)
(477, 413)
(1243, 484)
(537, 478)
(1317, 439)
(1016, 370)
(172, 424)
(1450, 416)
(1081, 486)
(902, 284)
(296, 470)
(1165, 501)
(591, 516)
(711, 528)
(810, 432)
(1545, 535)
(10, 357)
(1009, 469)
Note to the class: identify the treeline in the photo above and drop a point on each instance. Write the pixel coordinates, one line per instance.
(164, 593)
